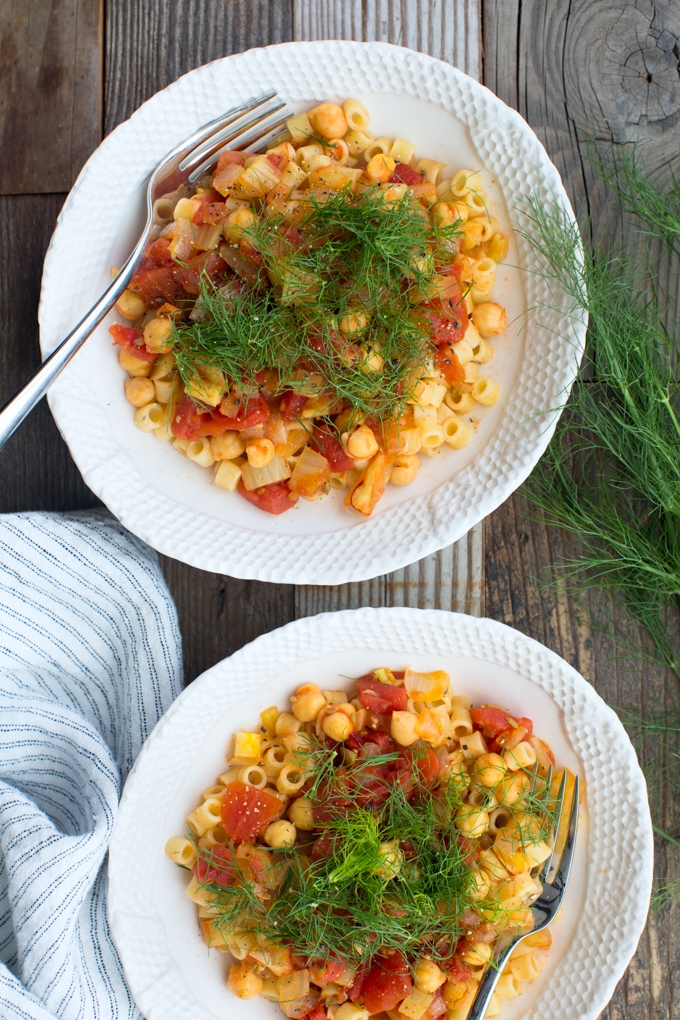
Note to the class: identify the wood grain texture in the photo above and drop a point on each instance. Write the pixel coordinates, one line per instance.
(600, 70)
(35, 466)
(150, 43)
(50, 92)
(447, 29)
(450, 30)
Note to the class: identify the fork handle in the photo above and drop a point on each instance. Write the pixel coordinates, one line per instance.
(23, 402)
(487, 985)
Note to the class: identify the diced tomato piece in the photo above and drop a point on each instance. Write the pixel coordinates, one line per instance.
(276, 159)
(210, 212)
(454, 269)
(130, 338)
(498, 720)
(438, 1007)
(381, 698)
(387, 983)
(323, 847)
(448, 364)
(191, 423)
(405, 174)
(254, 412)
(322, 972)
(215, 866)
(156, 285)
(425, 761)
(228, 157)
(291, 404)
(294, 237)
(357, 986)
(382, 739)
(273, 499)
(158, 253)
(447, 319)
(246, 812)
(456, 969)
(332, 450)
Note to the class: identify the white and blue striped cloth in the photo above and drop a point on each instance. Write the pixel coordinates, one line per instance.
(90, 658)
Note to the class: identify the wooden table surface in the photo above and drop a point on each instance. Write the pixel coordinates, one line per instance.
(71, 70)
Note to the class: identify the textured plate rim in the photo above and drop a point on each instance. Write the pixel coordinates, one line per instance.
(614, 913)
(425, 523)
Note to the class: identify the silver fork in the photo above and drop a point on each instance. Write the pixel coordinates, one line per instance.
(547, 904)
(251, 124)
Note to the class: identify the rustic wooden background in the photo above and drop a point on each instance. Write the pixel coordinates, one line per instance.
(71, 70)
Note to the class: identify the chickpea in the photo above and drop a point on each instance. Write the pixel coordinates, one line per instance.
(391, 860)
(403, 728)
(140, 391)
(337, 724)
(489, 318)
(301, 814)
(287, 724)
(259, 452)
(479, 885)
(136, 367)
(228, 446)
(510, 789)
(380, 167)
(156, 335)
(130, 305)
(488, 769)
(328, 120)
(362, 444)
(429, 977)
(307, 702)
(476, 953)
(471, 820)
(522, 756)
(406, 467)
(280, 834)
(354, 323)
(244, 982)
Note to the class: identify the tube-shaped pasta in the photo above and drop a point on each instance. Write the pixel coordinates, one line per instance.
(486, 391)
(290, 779)
(476, 206)
(356, 115)
(357, 141)
(199, 451)
(181, 851)
(274, 760)
(377, 146)
(461, 403)
(461, 723)
(253, 775)
(228, 475)
(149, 417)
(431, 433)
(457, 433)
(484, 273)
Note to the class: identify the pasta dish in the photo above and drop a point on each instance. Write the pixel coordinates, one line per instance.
(365, 852)
(317, 316)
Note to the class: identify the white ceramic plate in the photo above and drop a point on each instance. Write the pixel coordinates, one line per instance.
(170, 972)
(170, 502)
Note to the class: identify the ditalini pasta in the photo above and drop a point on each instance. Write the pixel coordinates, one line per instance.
(316, 316)
(364, 852)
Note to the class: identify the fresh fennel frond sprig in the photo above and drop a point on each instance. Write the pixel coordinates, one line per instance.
(611, 474)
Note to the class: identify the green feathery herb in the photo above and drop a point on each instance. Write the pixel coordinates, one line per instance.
(363, 256)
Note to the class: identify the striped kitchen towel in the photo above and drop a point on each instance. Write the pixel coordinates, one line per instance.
(90, 658)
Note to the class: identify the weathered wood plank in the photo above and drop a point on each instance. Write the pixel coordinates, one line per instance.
(36, 468)
(50, 92)
(451, 30)
(149, 44)
(608, 70)
(447, 29)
